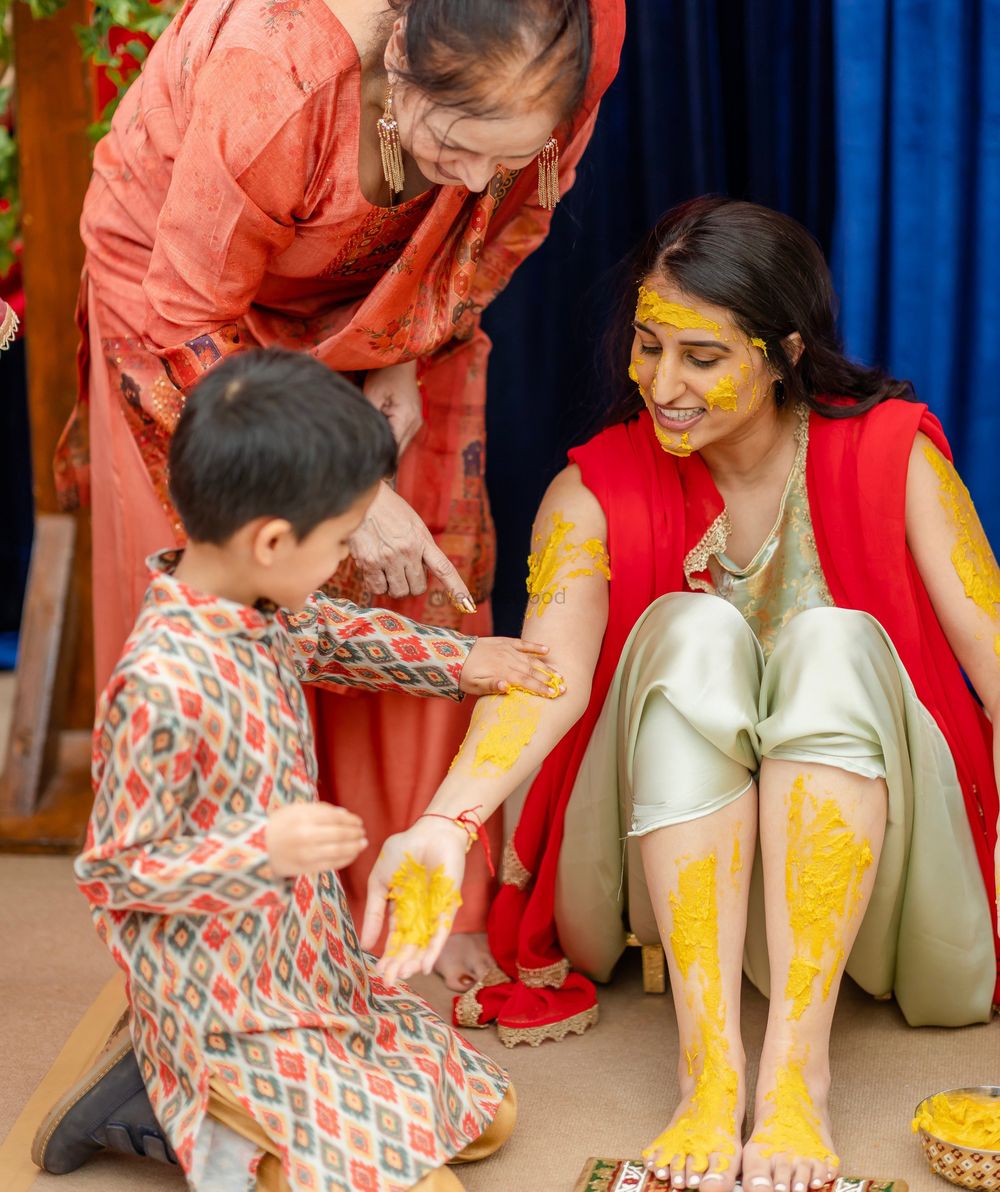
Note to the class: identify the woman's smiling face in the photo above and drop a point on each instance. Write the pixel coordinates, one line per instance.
(702, 377)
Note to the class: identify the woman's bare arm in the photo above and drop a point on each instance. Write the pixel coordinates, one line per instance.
(960, 572)
(957, 566)
(511, 735)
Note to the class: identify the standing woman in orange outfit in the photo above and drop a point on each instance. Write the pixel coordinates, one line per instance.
(356, 179)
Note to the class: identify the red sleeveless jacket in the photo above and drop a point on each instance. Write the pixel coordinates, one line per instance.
(658, 507)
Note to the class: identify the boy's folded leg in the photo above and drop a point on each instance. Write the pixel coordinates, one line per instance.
(495, 1134)
(439, 1180)
(107, 1108)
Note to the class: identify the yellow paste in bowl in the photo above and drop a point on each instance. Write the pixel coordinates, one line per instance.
(963, 1119)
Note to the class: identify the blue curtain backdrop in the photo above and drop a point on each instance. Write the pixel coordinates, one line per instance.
(917, 236)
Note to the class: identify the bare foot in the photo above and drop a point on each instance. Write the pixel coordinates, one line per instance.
(701, 1146)
(790, 1149)
(464, 959)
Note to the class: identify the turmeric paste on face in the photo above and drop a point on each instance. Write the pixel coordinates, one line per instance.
(723, 396)
(971, 556)
(669, 444)
(963, 1119)
(424, 902)
(652, 308)
(708, 1126)
(824, 873)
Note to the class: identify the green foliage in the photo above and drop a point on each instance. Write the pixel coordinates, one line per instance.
(10, 203)
(136, 16)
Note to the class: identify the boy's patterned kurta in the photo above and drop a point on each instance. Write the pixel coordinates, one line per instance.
(202, 730)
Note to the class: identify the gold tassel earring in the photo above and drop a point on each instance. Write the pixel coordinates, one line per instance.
(548, 174)
(392, 152)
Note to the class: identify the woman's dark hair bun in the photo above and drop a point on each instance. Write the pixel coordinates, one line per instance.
(462, 52)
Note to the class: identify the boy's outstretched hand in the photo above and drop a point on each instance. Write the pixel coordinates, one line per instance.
(313, 838)
(496, 664)
(432, 843)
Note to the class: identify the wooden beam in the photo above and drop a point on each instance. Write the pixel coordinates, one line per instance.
(45, 790)
(54, 109)
(42, 668)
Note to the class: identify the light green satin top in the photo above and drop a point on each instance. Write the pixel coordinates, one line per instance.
(785, 576)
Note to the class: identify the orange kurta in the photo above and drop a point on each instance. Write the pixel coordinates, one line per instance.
(225, 212)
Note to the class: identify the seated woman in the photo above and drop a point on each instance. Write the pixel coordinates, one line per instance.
(765, 693)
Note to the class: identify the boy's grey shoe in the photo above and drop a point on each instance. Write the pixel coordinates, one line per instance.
(106, 1109)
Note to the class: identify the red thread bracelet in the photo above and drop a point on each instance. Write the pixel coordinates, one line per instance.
(473, 825)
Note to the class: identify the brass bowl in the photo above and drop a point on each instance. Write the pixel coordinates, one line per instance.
(962, 1165)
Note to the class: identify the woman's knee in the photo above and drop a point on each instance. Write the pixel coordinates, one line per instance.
(692, 629)
(827, 688)
(827, 642)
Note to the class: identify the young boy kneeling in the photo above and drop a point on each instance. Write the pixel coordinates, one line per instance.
(270, 1049)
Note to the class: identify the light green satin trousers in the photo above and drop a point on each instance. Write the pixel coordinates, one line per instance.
(693, 708)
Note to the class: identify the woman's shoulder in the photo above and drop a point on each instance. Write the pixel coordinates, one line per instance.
(299, 42)
(889, 426)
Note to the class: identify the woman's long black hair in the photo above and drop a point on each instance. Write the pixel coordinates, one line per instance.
(768, 271)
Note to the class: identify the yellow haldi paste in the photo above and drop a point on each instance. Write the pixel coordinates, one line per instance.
(503, 740)
(723, 396)
(964, 1119)
(652, 308)
(759, 343)
(792, 1126)
(561, 559)
(424, 903)
(552, 683)
(823, 878)
(971, 557)
(707, 1127)
(737, 864)
(670, 444)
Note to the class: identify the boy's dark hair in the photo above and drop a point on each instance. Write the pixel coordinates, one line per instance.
(271, 433)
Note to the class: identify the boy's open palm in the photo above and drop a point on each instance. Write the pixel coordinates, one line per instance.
(432, 843)
(311, 838)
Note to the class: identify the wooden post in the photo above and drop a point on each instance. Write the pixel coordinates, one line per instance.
(52, 86)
